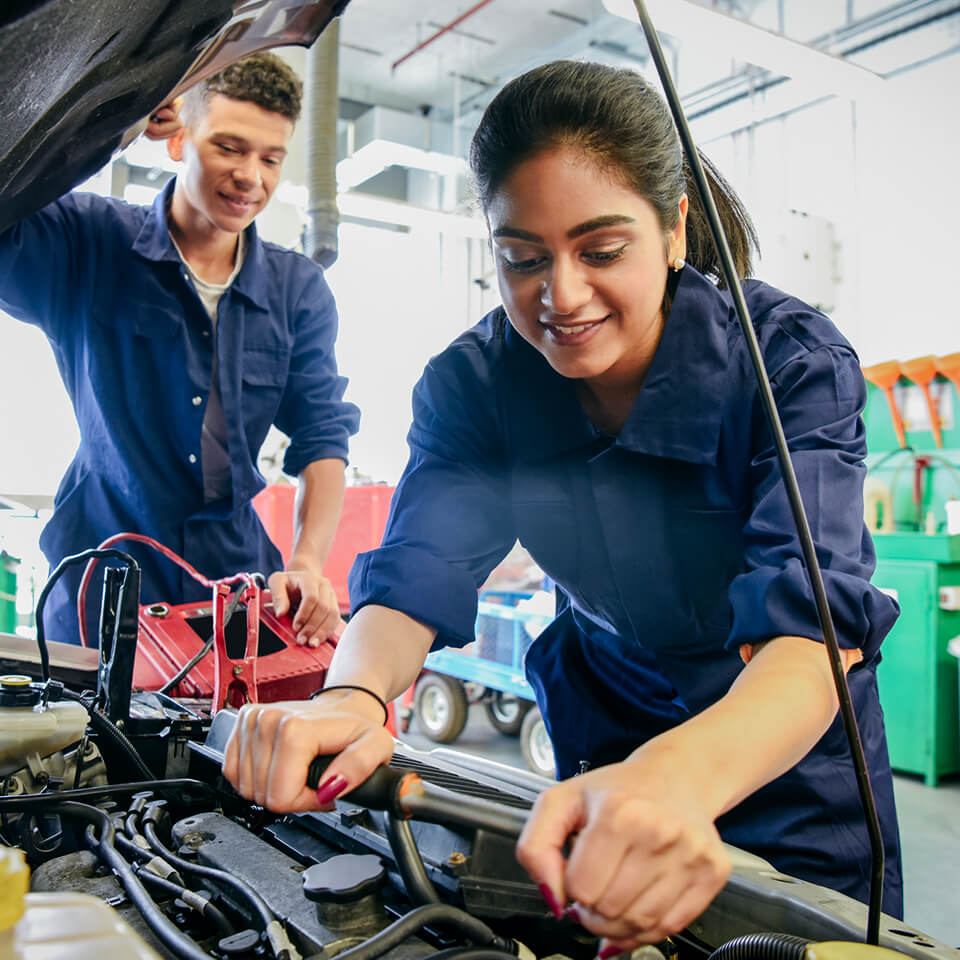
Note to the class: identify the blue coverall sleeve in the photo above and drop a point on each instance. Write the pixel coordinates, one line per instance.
(41, 271)
(820, 396)
(450, 519)
(312, 411)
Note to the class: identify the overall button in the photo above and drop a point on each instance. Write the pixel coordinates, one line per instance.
(196, 401)
(192, 458)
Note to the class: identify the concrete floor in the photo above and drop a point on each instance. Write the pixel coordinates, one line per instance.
(929, 830)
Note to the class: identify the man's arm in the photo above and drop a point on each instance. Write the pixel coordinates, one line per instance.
(48, 260)
(302, 585)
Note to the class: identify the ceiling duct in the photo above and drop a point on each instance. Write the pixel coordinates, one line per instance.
(383, 138)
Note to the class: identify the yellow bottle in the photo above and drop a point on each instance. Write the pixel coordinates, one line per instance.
(59, 926)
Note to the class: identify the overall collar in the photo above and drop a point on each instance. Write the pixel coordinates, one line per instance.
(677, 414)
(153, 242)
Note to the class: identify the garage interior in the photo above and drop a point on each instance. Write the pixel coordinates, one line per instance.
(837, 121)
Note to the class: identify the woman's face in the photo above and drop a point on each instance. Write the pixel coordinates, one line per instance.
(582, 264)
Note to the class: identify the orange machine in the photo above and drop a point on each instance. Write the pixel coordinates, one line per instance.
(923, 371)
(885, 375)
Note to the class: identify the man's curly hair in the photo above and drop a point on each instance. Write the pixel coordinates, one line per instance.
(263, 79)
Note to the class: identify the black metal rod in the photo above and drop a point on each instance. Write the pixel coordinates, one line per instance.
(39, 800)
(789, 479)
(439, 805)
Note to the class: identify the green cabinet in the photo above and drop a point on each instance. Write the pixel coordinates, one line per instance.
(8, 592)
(917, 676)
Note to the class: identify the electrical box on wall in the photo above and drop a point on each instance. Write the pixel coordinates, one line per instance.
(811, 260)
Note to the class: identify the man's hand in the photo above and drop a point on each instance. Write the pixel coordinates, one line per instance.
(310, 595)
(165, 121)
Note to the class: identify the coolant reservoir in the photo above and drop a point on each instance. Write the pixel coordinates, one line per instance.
(28, 727)
(59, 926)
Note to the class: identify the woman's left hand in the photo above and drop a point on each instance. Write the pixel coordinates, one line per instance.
(645, 858)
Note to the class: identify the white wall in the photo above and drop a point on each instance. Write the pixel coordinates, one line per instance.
(402, 297)
(884, 174)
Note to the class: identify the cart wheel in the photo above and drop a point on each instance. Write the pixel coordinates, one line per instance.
(440, 705)
(506, 712)
(536, 746)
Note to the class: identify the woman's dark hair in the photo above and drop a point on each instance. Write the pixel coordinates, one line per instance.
(619, 119)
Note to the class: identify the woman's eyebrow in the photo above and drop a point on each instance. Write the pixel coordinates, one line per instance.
(597, 223)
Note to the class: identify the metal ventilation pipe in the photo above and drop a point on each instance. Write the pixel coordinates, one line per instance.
(321, 107)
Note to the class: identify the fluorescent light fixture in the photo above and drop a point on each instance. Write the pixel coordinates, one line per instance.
(772, 51)
(377, 155)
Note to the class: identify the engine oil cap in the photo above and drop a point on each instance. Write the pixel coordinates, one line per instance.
(239, 943)
(16, 691)
(344, 878)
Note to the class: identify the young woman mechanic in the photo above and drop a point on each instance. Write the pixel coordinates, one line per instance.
(607, 416)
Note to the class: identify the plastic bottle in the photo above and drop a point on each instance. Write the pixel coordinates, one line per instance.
(28, 726)
(59, 926)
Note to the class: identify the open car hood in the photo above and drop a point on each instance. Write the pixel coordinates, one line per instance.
(77, 75)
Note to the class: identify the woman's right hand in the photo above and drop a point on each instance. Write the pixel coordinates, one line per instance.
(273, 744)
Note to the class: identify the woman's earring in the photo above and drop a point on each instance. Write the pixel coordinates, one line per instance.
(678, 264)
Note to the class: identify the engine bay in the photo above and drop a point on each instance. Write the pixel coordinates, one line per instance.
(195, 870)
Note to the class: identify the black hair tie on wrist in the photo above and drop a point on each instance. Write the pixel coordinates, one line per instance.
(351, 686)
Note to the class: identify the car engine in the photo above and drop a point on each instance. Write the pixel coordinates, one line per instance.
(198, 871)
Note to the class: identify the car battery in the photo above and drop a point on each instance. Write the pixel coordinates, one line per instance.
(281, 669)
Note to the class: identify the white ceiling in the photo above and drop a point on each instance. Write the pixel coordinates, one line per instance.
(461, 69)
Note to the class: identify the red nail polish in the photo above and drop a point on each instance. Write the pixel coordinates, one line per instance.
(574, 914)
(330, 789)
(610, 950)
(547, 895)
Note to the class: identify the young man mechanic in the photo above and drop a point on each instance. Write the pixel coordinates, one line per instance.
(181, 337)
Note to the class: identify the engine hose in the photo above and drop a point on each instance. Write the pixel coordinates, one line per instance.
(40, 800)
(180, 945)
(195, 901)
(472, 953)
(103, 725)
(156, 865)
(762, 946)
(414, 921)
(416, 882)
(253, 898)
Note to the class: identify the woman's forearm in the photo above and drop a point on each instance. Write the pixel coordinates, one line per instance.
(777, 709)
(381, 649)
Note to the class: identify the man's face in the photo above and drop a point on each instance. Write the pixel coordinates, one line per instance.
(232, 153)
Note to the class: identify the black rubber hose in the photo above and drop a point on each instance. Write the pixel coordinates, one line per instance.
(471, 953)
(103, 725)
(762, 946)
(144, 854)
(203, 905)
(414, 921)
(416, 882)
(132, 849)
(55, 575)
(180, 945)
(260, 906)
(40, 800)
